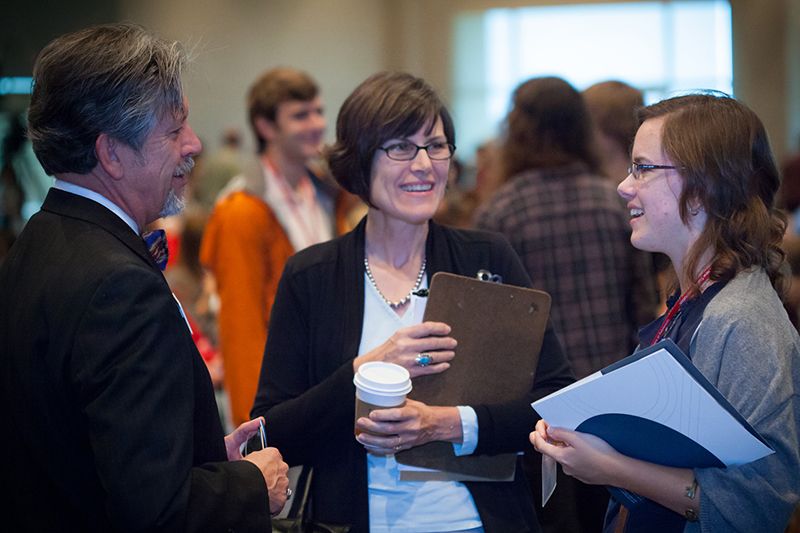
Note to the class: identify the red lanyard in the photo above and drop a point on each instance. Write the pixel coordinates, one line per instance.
(674, 311)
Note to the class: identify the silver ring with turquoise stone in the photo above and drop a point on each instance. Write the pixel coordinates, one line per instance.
(423, 359)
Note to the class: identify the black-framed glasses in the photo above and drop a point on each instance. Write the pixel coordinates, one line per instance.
(637, 169)
(406, 151)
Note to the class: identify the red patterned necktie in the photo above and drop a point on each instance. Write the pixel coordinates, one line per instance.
(156, 242)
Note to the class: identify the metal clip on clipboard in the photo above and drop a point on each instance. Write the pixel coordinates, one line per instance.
(485, 275)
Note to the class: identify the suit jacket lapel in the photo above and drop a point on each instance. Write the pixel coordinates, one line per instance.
(75, 206)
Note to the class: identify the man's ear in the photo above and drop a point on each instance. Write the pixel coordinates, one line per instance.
(108, 155)
(266, 128)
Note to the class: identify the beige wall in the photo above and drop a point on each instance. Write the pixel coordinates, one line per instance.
(762, 65)
(338, 42)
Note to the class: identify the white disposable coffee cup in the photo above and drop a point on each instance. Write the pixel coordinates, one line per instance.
(380, 385)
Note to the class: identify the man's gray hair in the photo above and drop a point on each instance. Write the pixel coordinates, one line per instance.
(116, 79)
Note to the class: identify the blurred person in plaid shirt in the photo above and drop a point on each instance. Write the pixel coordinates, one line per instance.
(571, 231)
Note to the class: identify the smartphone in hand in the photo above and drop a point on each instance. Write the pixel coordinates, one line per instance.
(257, 441)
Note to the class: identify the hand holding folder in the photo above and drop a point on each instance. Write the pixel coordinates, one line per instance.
(655, 405)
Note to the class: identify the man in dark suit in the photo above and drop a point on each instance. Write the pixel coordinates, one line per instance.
(110, 414)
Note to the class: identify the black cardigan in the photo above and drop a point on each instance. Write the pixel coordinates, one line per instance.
(306, 391)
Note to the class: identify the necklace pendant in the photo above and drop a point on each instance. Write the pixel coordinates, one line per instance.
(404, 300)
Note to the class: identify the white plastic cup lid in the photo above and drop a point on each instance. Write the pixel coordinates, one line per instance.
(383, 379)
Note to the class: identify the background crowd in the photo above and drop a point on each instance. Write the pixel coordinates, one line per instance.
(548, 183)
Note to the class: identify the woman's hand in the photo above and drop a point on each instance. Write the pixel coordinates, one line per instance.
(406, 344)
(585, 457)
(388, 431)
(591, 460)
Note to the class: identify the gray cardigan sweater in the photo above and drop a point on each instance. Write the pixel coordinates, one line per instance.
(746, 346)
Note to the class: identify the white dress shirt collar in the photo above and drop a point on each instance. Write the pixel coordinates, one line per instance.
(100, 199)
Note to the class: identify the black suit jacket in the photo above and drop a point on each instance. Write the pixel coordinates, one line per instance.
(306, 391)
(112, 418)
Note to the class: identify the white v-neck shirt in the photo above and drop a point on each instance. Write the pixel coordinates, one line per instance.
(413, 506)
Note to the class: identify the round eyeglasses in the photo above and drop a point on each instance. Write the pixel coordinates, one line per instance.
(406, 151)
(638, 169)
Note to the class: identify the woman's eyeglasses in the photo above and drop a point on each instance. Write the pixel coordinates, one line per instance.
(638, 169)
(406, 151)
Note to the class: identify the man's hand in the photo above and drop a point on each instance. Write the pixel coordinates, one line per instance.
(240, 435)
(274, 470)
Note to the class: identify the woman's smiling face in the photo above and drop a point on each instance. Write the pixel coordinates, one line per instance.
(410, 191)
(653, 198)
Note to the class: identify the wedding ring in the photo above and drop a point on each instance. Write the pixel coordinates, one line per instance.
(423, 359)
(397, 446)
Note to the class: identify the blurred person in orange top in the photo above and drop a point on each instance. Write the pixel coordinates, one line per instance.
(277, 206)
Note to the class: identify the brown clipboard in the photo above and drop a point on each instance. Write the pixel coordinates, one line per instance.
(500, 329)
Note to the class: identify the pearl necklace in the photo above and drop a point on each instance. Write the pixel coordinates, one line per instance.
(407, 297)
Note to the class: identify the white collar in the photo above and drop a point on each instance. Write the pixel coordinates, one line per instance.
(99, 198)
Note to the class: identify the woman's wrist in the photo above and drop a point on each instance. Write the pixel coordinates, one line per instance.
(447, 424)
(674, 488)
(617, 470)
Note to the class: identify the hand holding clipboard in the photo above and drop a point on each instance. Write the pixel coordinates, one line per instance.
(499, 329)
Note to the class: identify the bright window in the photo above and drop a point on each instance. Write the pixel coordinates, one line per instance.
(663, 48)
